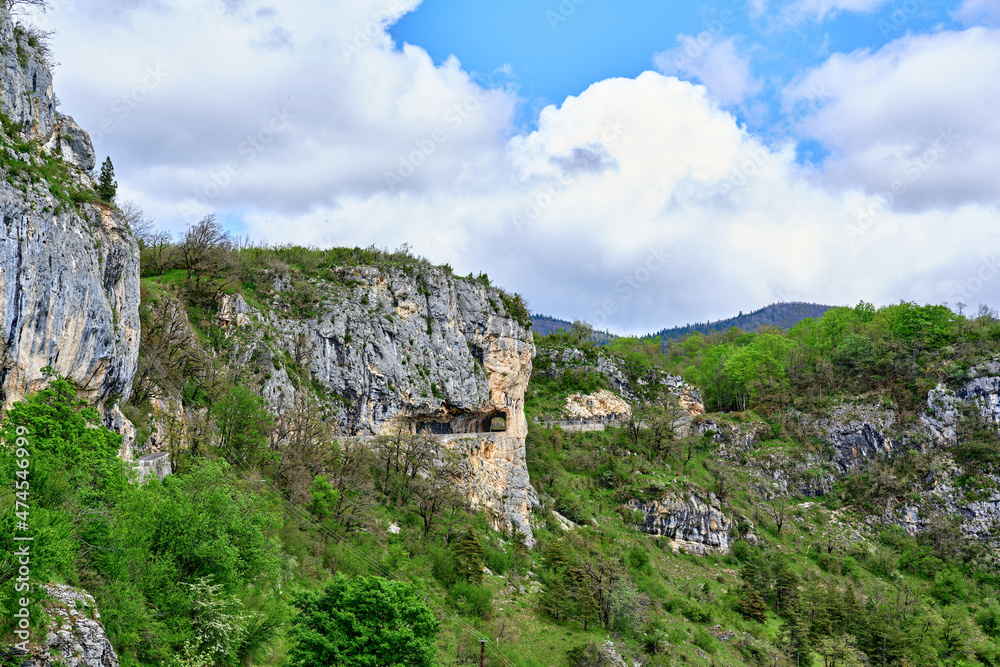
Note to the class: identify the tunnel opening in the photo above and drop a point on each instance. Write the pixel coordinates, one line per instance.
(484, 423)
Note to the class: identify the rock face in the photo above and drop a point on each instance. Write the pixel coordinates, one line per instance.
(26, 83)
(944, 405)
(690, 524)
(69, 275)
(424, 354)
(858, 434)
(76, 636)
(599, 406)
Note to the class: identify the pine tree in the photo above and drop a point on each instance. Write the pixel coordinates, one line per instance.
(469, 558)
(796, 633)
(107, 186)
(752, 605)
(584, 602)
(555, 557)
(556, 599)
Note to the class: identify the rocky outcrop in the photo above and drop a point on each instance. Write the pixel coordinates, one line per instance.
(26, 95)
(594, 411)
(691, 524)
(945, 406)
(601, 406)
(734, 438)
(76, 636)
(858, 434)
(69, 273)
(424, 353)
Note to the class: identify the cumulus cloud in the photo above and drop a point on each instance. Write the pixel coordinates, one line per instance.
(915, 118)
(715, 62)
(986, 12)
(637, 204)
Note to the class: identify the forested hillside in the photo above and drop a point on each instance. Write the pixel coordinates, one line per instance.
(781, 315)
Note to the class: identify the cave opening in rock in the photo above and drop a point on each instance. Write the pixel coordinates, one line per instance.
(493, 422)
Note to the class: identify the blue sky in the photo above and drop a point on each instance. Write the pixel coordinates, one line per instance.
(637, 165)
(549, 50)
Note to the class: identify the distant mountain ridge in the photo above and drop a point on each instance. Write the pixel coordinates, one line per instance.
(781, 315)
(544, 325)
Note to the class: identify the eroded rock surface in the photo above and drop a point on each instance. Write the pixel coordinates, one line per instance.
(690, 523)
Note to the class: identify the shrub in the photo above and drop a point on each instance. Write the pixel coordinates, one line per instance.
(472, 600)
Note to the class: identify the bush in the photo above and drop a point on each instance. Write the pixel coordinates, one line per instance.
(705, 641)
(472, 600)
(499, 562)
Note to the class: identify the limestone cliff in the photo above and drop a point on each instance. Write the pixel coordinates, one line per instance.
(69, 271)
(421, 352)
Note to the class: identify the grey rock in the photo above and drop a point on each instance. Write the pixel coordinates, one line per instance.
(690, 523)
(26, 83)
(72, 143)
(69, 298)
(76, 636)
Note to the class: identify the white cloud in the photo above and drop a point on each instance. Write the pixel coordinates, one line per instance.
(824, 9)
(918, 114)
(637, 204)
(986, 12)
(714, 62)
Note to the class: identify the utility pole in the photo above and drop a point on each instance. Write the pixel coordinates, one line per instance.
(482, 652)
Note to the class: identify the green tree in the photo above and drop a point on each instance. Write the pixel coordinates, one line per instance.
(469, 557)
(365, 622)
(107, 186)
(751, 604)
(243, 424)
(73, 480)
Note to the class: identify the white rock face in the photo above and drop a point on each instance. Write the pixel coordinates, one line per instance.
(600, 406)
(76, 635)
(691, 524)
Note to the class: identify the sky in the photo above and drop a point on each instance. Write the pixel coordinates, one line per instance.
(635, 164)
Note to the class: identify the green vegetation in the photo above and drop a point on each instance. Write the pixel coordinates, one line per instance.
(25, 165)
(361, 622)
(107, 186)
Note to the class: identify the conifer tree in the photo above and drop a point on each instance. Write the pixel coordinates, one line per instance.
(107, 186)
(469, 557)
(752, 605)
(584, 602)
(556, 599)
(796, 633)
